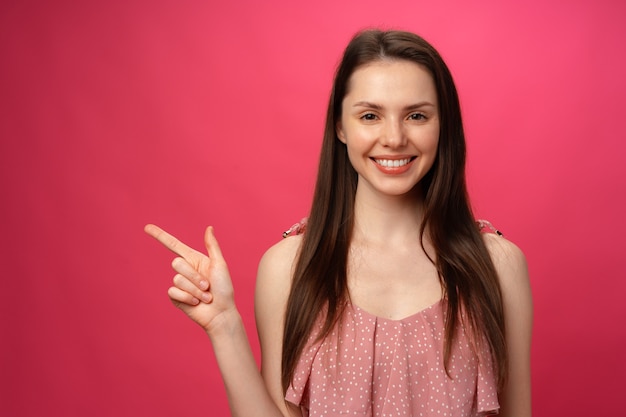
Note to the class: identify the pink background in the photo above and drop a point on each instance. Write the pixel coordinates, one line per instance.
(114, 114)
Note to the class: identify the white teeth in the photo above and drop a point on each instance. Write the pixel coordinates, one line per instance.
(392, 163)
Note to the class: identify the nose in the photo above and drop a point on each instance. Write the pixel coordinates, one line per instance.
(393, 135)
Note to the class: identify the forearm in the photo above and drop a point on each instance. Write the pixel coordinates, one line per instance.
(246, 390)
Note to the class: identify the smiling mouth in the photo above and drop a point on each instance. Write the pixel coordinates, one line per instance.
(393, 163)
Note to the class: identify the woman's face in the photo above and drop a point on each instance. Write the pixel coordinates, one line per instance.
(390, 125)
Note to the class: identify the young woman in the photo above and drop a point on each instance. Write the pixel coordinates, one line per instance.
(392, 301)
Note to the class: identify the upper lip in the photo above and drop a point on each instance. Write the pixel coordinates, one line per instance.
(393, 157)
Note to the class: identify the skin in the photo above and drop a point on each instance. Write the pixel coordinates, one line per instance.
(389, 112)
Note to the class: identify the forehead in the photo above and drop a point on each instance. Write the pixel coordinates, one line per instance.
(391, 79)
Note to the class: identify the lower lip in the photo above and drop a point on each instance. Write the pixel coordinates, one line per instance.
(393, 170)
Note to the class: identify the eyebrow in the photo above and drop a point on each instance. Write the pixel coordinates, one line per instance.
(379, 107)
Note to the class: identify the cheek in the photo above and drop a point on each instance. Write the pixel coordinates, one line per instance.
(353, 155)
(435, 145)
(433, 139)
(429, 142)
(431, 149)
(358, 139)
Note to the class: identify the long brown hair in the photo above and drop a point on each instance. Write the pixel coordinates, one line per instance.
(467, 274)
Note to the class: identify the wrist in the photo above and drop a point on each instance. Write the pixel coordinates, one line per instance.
(226, 324)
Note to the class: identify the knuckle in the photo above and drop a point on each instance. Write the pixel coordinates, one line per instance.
(180, 298)
(196, 278)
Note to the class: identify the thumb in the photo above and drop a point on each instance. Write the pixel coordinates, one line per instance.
(212, 247)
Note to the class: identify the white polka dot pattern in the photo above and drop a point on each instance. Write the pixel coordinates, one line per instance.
(375, 367)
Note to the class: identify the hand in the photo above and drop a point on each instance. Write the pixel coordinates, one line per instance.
(202, 286)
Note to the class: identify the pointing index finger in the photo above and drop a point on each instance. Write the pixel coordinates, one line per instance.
(171, 242)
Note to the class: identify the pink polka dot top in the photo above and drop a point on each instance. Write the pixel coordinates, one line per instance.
(371, 366)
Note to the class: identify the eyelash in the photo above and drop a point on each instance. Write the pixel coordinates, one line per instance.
(413, 116)
(420, 116)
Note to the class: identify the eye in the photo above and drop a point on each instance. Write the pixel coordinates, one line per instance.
(368, 116)
(417, 116)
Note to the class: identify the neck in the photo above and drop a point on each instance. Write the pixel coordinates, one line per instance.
(387, 219)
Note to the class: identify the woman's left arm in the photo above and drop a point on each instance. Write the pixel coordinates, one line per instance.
(510, 263)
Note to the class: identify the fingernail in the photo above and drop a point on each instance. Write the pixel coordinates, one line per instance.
(204, 284)
(206, 297)
(195, 301)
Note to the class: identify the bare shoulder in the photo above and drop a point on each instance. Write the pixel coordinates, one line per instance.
(508, 259)
(274, 278)
(276, 265)
(512, 270)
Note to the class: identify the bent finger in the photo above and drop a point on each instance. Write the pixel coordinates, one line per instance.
(182, 283)
(179, 296)
(187, 270)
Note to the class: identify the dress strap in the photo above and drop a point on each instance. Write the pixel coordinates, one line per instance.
(296, 229)
(484, 224)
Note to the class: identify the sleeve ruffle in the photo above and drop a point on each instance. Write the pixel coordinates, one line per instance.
(297, 392)
(486, 387)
